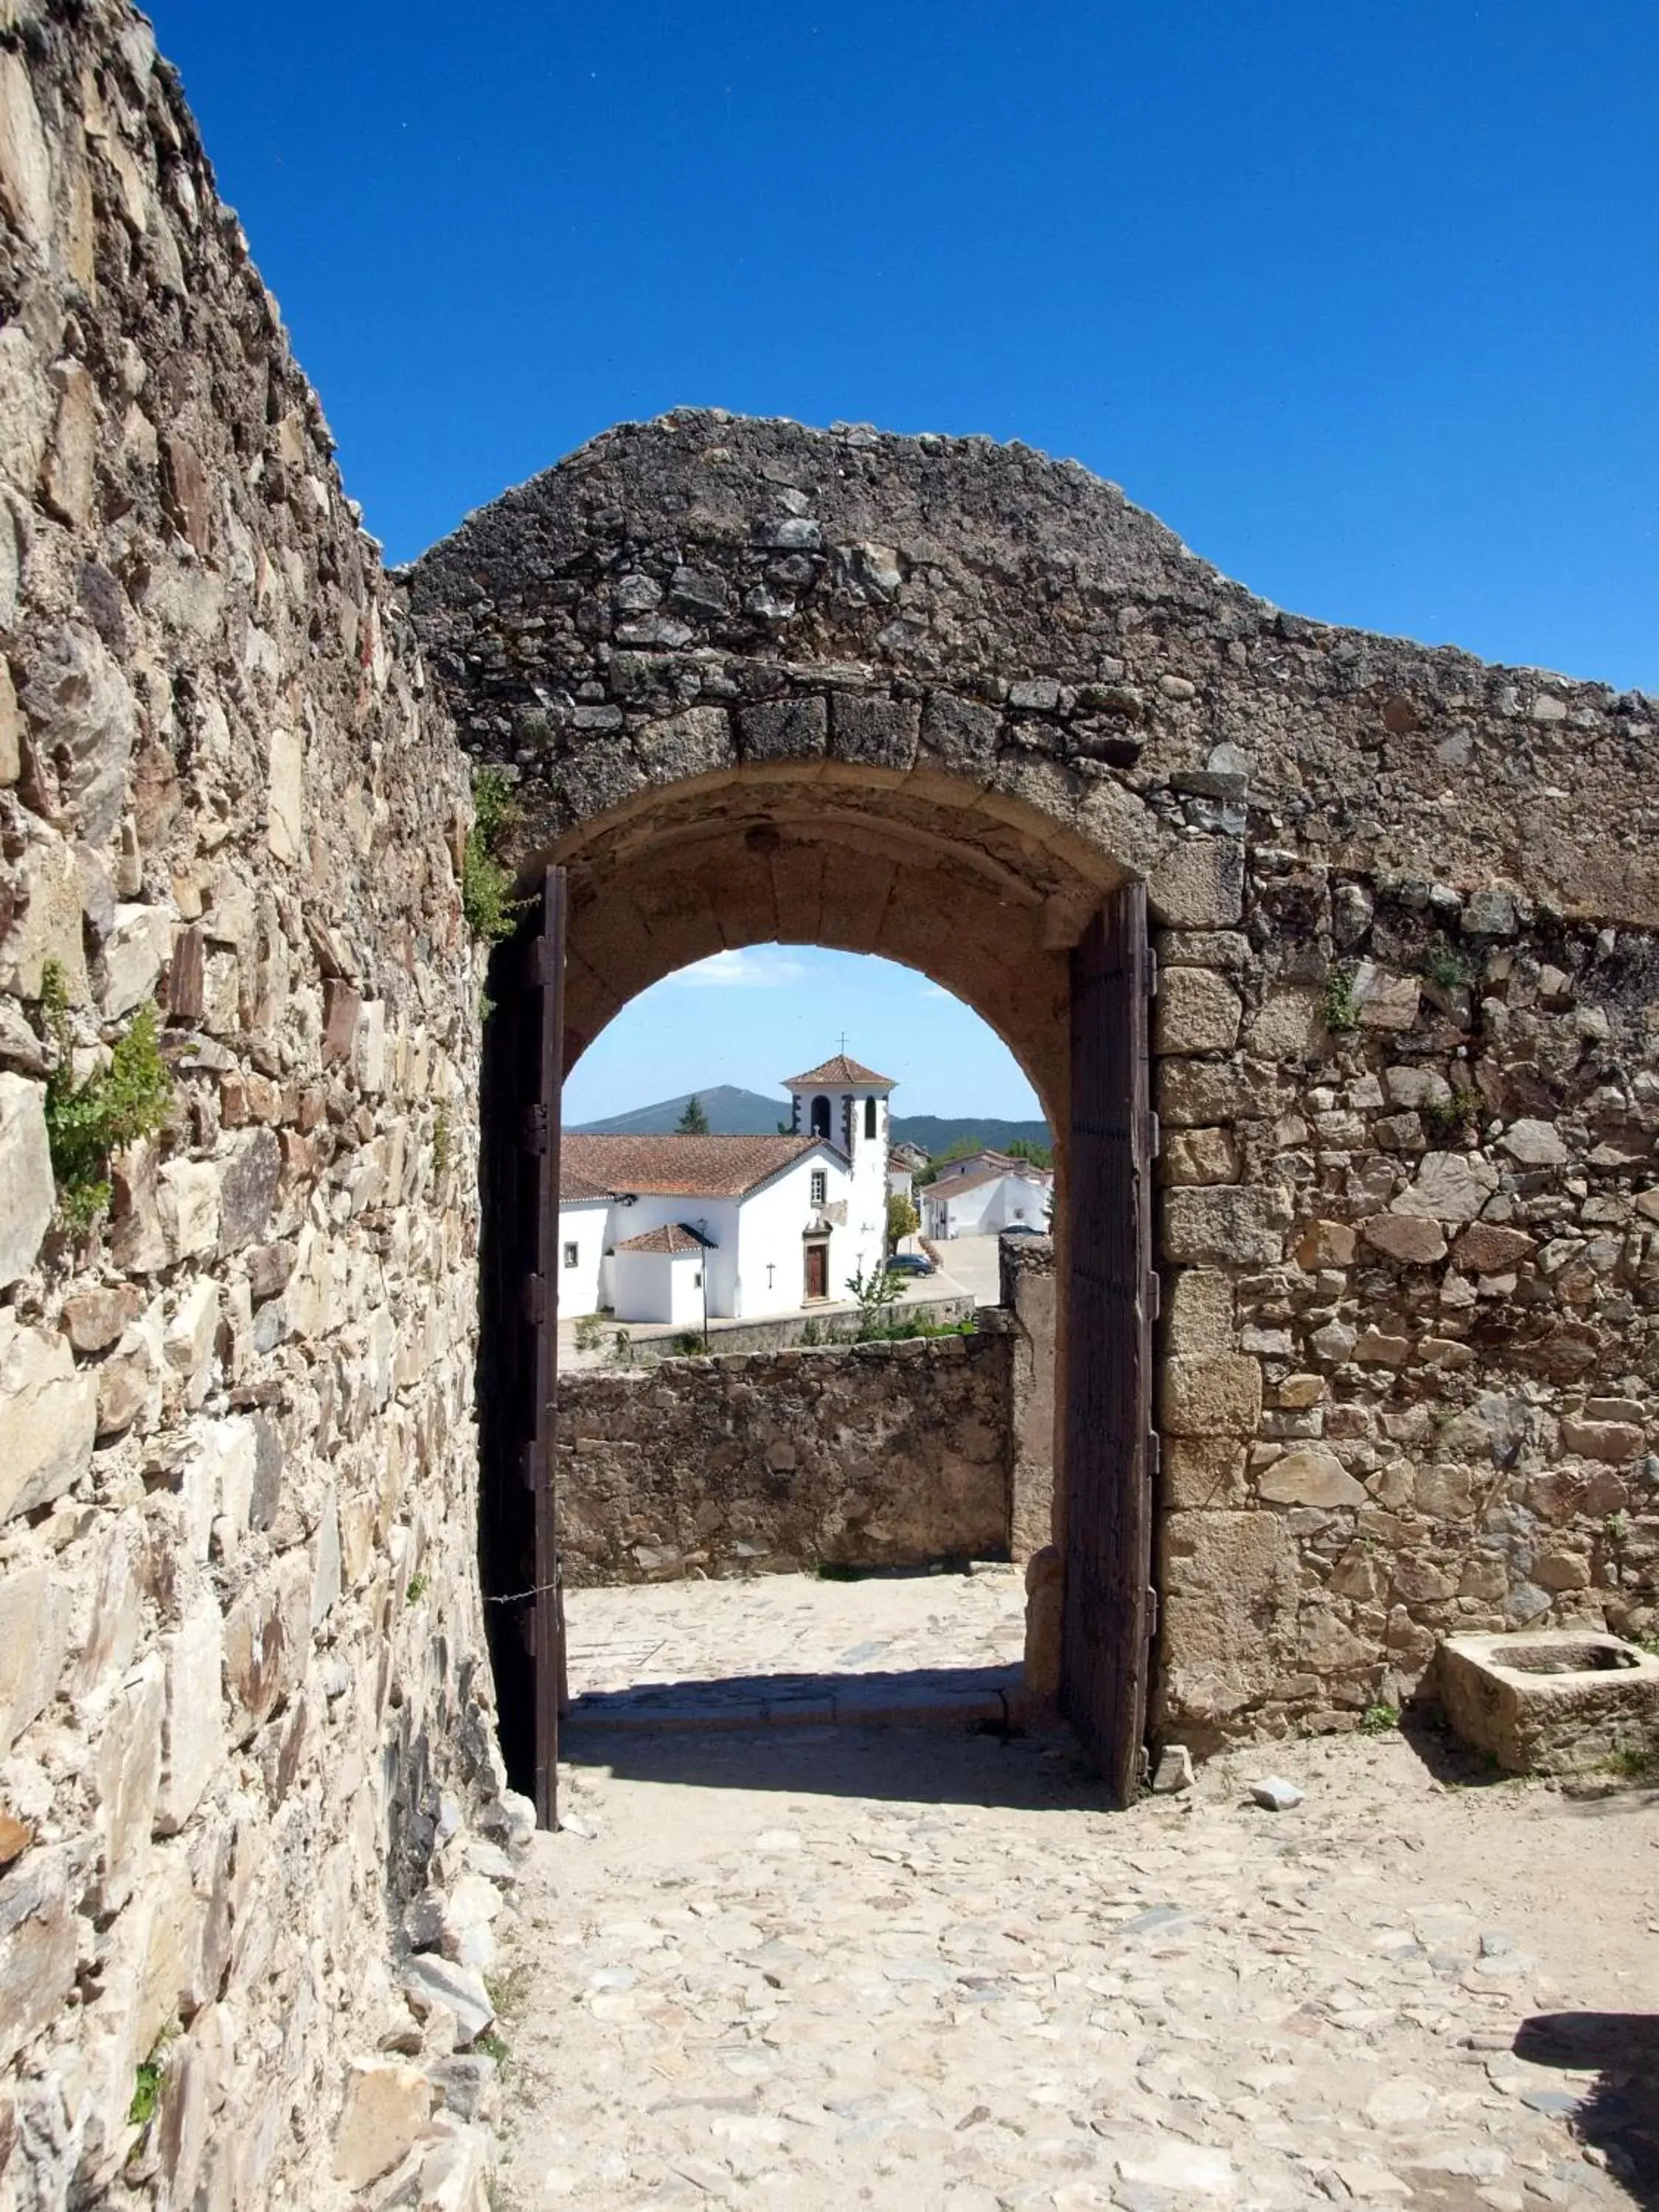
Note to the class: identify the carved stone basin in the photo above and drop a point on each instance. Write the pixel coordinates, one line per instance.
(1555, 1701)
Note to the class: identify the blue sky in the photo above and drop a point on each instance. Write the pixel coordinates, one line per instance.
(753, 1016)
(1361, 299)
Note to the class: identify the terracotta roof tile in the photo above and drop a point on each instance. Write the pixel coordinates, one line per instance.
(958, 1186)
(841, 1069)
(675, 1167)
(672, 1238)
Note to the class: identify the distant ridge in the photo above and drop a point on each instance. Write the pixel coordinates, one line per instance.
(731, 1113)
(735, 1113)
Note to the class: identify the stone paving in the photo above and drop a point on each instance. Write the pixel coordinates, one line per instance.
(792, 1649)
(910, 1968)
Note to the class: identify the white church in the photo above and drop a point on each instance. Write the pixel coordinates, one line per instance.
(651, 1227)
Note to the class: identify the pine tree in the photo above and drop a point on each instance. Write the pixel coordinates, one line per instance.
(693, 1122)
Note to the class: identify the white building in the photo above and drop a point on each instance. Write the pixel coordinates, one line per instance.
(987, 1201)
(651, 1226)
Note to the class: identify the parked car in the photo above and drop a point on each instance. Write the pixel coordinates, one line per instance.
(1024, 1229)
(911, 1263)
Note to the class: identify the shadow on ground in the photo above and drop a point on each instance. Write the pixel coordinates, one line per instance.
(1619, 2113)
(955, 1765)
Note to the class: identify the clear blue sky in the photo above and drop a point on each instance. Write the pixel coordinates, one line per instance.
(1361, 299)
(753, 1016)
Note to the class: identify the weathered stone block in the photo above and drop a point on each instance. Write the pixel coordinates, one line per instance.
(1199, 1317)
(696, 743)
(387, 2103)
(1311, 1476)
(34, 1638)
(1325, 1244)
(40, 1942)
(1203, 1473)
(1196, 1010)
(1486, 1248)
(1534, 1144)
(285, 799)
(1288, 1025)
(1230, 1583)
(1199, 884)
(27, 1195)
(1385, 1001)
(1200, 1157)
(193, 1737)
(1553, 1701)
(1237, 1227)
(1615, 1442)
(1195, 1092)
(126, 1778)
(783, 729)
(1411, 1238)
(1213, 1397)
(1449, 1187)
(866, 727)
(48, 1413)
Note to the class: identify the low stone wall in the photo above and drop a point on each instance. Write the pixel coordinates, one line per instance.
(806, 1329)
(871, 1455)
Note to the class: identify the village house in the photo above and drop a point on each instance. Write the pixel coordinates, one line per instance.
(675, 1228)
(985, 1193)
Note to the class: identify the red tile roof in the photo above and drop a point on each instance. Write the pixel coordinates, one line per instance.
(842, 1070)
(958, 1186)
(675, 1167)
(672, 1238)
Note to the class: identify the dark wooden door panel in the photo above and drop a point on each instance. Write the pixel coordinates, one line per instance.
(518, 1352)
(1104, 1655)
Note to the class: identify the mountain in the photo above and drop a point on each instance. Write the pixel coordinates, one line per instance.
(734, 1112)
(731, 1113)
(936, 1132)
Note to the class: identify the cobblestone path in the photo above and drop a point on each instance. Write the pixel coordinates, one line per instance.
(828, 1967)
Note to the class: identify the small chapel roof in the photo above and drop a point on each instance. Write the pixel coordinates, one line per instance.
(842, 1070)
(670, 1238)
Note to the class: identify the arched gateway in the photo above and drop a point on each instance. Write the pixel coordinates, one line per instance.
(958, 705)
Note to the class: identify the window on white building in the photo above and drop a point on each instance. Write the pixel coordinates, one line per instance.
(820, 1186)
(869, 1117)
(572, 1255)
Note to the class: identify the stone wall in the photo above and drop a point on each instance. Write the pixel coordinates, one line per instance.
(1412, 1304)
(891, 1454)
(930, 697)
(1030, 1299)
(240, 1637)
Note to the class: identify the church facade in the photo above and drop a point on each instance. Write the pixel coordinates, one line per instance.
(678, 1228)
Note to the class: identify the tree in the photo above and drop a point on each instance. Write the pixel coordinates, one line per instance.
(903, 1220)
(877, 1293)
(693, 1122)
(1022, 1148)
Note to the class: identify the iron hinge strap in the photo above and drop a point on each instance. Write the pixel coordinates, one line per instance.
(1151, 974)
(1152, 1614)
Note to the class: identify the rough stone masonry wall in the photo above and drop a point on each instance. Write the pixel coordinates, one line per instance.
(929, 696)
(236, 1436)
(873, 1455)
(1412, 1289)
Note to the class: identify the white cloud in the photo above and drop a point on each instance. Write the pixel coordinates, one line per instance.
(759, 967)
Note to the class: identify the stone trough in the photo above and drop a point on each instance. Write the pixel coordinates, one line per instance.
(1556, 1701)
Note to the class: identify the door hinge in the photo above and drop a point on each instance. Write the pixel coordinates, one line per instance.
(535, 1299)
(529, 1460)
(1154, 1296)
(1154, 1138)
(535, 1130)
(1152, 1615)
(1151, 974)
(1154, 1454)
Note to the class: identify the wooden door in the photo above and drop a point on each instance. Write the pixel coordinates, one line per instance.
(1108, 1617)
(518, 1348)
(817, 1271)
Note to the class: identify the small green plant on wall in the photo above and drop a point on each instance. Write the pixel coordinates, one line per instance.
(88, 1119)
(1340, 1008)
(486, 885)
(1447, 968)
